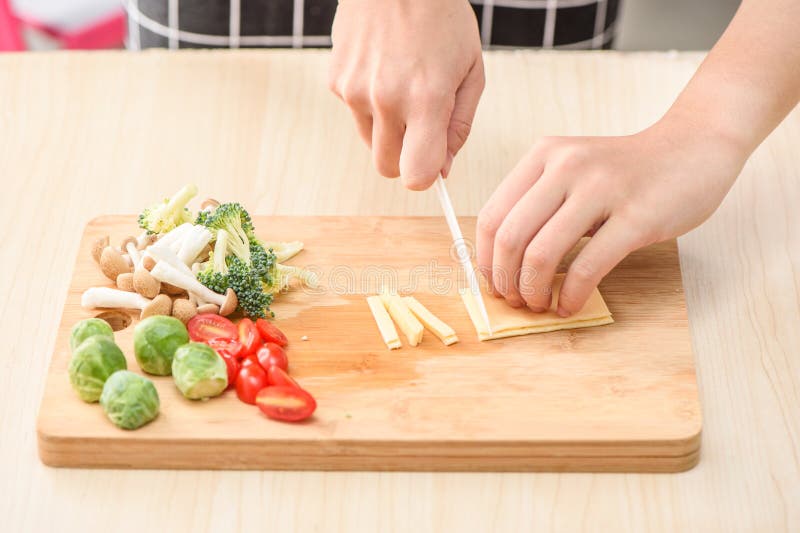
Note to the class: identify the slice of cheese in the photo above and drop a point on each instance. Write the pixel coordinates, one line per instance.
(384, 321)
(445, 333)
(406, 321)
(509, 322)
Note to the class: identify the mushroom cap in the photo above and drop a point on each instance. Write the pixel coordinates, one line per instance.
(132, 240)
(98, 246)
(230, 304)
(145, 284)
(171, 290)
(160, 305)
(125, 282)
(208, 309)
(183, 310)
(209, 203)
(148, 262)
(112, 263)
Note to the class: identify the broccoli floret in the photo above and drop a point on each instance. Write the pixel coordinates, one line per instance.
(246, 283)
(215, 275)
(263, 261)
(234, 219)
(169, 214)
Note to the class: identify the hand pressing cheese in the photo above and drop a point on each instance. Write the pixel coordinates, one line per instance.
(384, 321)
(409, 325)
(436, 326)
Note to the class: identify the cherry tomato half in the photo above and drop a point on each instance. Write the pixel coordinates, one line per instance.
(273, 355)
(249, 337)
(208, 326)
(270, 332)
(286, 403)
(252, 378)
(229, 346)
(234, 366)
(250, 360)
(278, 377)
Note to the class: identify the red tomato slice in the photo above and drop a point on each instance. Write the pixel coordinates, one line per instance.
(279, 378)
(229, 346)
(273, 355)
(207, 326)
(270, 332)
(252, 378)
(286, 403)
(249, 337)
(234, 366)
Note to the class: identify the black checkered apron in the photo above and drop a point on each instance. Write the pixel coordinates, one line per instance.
(575, 24)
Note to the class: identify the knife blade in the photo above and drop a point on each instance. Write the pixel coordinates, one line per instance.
(461, 247)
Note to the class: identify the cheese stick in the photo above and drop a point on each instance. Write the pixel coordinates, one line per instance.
(384, 321)
(408, 323)
(445, 333)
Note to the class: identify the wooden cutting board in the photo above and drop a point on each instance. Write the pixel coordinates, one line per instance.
(621, 397)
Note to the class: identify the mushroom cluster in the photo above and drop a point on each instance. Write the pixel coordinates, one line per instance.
(156, 275)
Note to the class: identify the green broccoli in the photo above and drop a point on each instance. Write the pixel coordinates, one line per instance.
(234, 219)
(169, 214)
(249, 288)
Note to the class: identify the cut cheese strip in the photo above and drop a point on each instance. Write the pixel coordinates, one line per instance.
(384, 321)
(508, 321)
(431, 321)
(406, 321)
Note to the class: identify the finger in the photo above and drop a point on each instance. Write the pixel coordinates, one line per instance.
(527, 171)
(546, 250)
(363, 125)
(467, 97)
(424, 149)
(520, 225)
(387, 142)
(613, 241)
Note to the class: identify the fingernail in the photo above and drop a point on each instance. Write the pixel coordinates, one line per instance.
(536, 308)
(563, 313)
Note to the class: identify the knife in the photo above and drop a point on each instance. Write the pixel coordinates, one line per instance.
(461, 247)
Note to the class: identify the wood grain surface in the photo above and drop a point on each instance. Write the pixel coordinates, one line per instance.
(85, 134)
(617, 398)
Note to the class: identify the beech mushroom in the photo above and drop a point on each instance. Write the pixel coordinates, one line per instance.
(183, 309)
(208, 309)
(145, 284)
(98, 246)
(125, 282)
(171, 290)
(112, 263)
(167, 273)
(130, 245)
(209, 204)
(193, 243)
(104, 297)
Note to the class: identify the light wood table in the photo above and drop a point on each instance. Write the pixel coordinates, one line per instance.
(83, 134)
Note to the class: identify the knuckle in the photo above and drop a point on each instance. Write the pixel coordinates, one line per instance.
(583, 270)
(506, 238)
(536, 259)
(488, 221)
(385, 96)
(353, 95)
(430, 91)
(459, 131)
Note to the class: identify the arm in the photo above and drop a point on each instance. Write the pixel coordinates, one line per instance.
(628, 192)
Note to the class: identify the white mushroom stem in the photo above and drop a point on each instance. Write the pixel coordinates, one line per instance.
(105, 297)
(167, 273)
(143, 239)
(128, 259)
(164, 254)
(133, 253)
(177, 234)
(197, 267)
(193, 243)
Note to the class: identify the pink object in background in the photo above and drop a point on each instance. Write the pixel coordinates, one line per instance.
(72, 25)
(10, 34)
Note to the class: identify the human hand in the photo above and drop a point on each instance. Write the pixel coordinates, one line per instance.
(411, 73)
(627, 192)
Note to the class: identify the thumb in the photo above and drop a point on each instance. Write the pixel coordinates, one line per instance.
(467, 97)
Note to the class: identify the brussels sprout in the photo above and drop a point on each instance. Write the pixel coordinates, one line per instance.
(129, 400)
(92, 363)
(89, 328)
(155, 340)
(199, 372)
